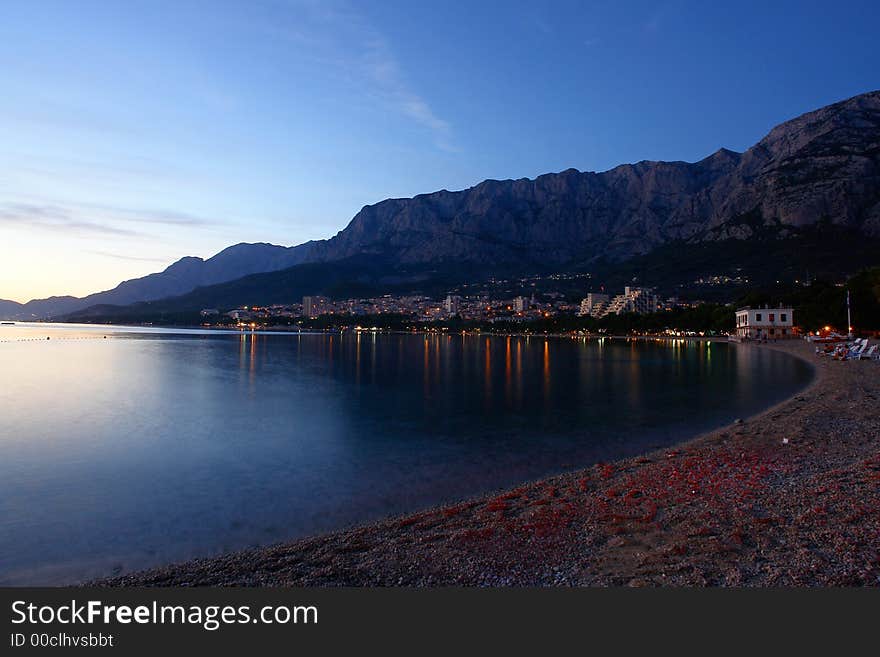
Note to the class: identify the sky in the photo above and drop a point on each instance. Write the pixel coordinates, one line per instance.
(134, 133)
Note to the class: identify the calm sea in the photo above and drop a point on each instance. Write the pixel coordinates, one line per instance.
(150, 446)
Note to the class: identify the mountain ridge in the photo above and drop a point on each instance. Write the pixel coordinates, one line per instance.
(632, 208)
(820, 167)
(180, 277)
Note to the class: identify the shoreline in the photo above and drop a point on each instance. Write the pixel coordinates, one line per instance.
(288, 330)
(757, 502)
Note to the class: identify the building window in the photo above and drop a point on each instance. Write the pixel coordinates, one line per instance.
(783, 332)
(772, 317)
(783, 317)
(757, 317)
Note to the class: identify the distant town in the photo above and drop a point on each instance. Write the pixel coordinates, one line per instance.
(559, 303)
(472, 308)
(571, 304)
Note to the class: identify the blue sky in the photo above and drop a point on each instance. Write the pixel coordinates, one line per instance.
(134, 132)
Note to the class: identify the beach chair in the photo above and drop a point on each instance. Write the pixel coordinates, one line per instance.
(869, 354)
(855, 352)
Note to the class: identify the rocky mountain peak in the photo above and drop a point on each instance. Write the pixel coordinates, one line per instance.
(822, 165)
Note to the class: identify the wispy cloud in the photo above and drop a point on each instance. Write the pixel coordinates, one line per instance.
(336, 35)
(149, 215)
(50, 217)
(94, 219)
(122, 256)
(657, 19)
(539, 22)
(118, 170)
(383, 70)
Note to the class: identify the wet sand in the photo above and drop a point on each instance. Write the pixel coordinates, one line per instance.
(789, 497)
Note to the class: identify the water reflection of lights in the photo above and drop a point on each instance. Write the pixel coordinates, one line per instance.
(546, 369)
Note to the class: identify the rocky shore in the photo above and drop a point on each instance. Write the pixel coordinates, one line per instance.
(790, 497)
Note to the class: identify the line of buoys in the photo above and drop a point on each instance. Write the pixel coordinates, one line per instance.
(78, 337)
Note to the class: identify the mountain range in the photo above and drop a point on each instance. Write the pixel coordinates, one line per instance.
(179, 278)
(817, 172)
(822, 166)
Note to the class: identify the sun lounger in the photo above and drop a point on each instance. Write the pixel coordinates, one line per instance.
(856, 351)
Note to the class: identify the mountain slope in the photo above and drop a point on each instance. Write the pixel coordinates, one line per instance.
(179, 278)
(680, 267)
(189, 273)
(357, 276)
(824, 165)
